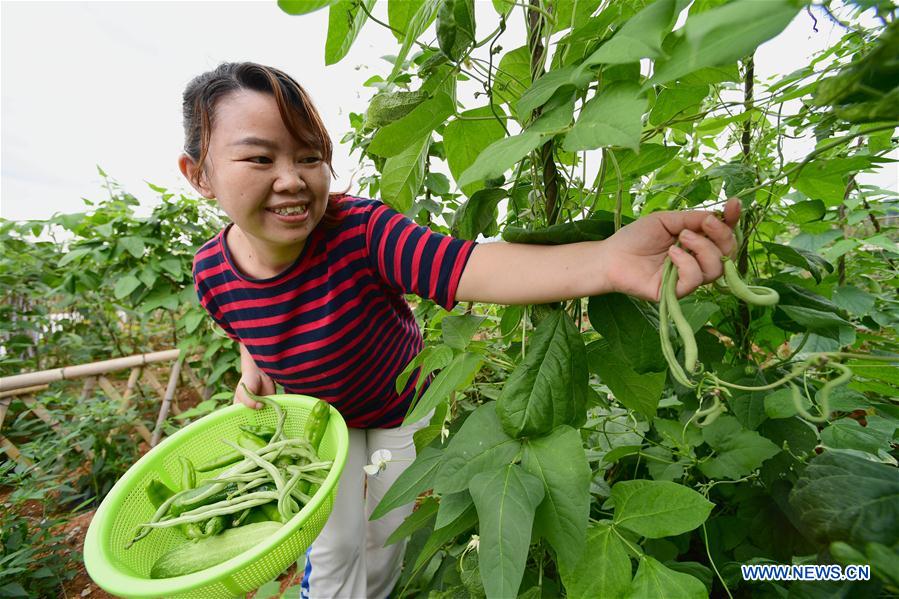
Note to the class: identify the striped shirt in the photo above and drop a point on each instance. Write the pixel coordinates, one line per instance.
(334, 324)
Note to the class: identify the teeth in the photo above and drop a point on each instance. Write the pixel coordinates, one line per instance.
(291, 211)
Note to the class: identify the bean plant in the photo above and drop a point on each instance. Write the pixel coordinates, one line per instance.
(610, 447)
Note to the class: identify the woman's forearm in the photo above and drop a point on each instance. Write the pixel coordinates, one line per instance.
(515, 273)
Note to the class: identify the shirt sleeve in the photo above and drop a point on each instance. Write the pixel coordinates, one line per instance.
(414, 259)
(206, 300)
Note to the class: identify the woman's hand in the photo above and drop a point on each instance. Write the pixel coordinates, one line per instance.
(637, 252)
(259, 383)
(256, 381)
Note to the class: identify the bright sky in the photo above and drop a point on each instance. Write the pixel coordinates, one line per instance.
(100, 83)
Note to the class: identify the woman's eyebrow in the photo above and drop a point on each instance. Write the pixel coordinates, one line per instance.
(255, 141)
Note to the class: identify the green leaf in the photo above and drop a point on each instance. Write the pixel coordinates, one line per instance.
(133, 245)
(423, 516)
(403, 174)
(806, 212)
(604, 569)
(543, 88)
(738, 451)
(629, 333)
(399, 15)
(173, 266)
(444, 534)
(810, 261)
(635, 390)
(419, 22)
(815, 320)
(414, 480)
(302, 7)
(559, 462)
(345, 20)
(125, 286)
(479, 446)
(640, 36)
(847, 433)
(677, 101)
(653, 580)
(611, 118)
(458, 330)
(452, 506)
(842, 497)
(724, 35)
(464, 140)
(506, 500)
(826, 180)
(457, 375)
(854, 300)
(499, 157)
(779, 404)
(513, 77)
(656, 509)
(424, 118)
(478, 215)
(549, 387)
(73, 255)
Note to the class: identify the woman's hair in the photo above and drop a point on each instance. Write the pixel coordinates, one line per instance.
(297, 111)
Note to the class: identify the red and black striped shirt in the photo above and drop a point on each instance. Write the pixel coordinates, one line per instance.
(334, 324)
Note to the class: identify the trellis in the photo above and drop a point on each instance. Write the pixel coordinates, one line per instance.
(27, 386)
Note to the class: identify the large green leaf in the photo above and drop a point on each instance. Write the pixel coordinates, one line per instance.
(466, 137)
(506, 500)
(560, 463)
(444, 534)
(724, 35)
(611, 118)
(403, 174)
(639, 391)
(499, 157)
(604, 569)
(459, 329)
(815, 264)
(677, 101)
(627, 330)
(656, 509)
(399, 15)
(547, 85)
(478, 215)
(846, 433)
(842, 497)
(125, 286)
(419, 22)
(479, 446)
(457, 375)
(549, 387)
(640, 36)
(424, 118)
(738, 451)
(414, 480)
(345, 21)
(654, 580)
(512, 78)
(302, 7)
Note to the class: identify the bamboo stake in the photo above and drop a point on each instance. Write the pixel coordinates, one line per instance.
(84, 370)
(13, 452)
(154, 382)
(24, 391)
(88, 388)
(167, 400)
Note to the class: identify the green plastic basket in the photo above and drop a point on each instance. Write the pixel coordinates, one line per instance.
(125, 573)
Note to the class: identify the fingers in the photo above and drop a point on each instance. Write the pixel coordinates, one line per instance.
(689, 273)
(241, 397)
(706, 254)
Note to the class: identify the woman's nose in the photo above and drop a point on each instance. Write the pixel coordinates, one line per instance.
(289, 180)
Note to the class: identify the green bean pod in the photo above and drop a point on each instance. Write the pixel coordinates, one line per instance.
(677, 372)
(751, 294)
(691, 352)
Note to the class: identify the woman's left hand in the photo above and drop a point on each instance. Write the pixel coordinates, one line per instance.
(639, 250)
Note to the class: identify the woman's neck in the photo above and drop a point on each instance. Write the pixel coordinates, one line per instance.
(257, 260)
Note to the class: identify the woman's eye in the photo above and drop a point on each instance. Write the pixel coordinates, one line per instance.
(259, 159)
(310, 160)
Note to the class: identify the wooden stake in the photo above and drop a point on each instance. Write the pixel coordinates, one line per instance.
(167, 400)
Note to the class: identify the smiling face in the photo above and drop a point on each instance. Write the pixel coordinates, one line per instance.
(272, 186)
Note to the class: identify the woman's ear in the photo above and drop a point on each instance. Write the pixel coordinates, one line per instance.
(188, 168)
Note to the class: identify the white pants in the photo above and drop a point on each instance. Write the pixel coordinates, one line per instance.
(348, 560)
